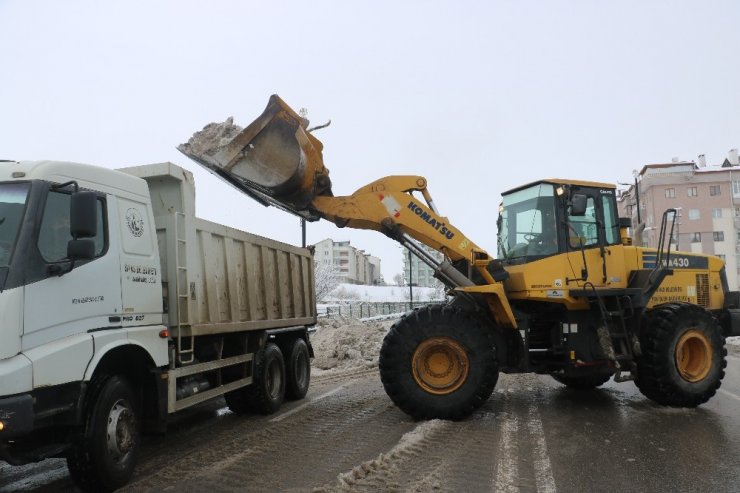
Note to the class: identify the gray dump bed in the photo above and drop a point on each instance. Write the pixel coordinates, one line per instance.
(218, 279)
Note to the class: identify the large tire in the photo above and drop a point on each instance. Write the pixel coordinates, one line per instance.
(103, 455)
(267, 392)
(438, 362)
(683, 355)
(584, 381)
(298, 370)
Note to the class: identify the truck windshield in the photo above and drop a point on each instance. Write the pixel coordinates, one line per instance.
(12, 204)
(526, 225)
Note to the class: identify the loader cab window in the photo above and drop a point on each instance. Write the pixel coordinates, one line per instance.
(600, 211)
(582, 229)
(54, 233)
(527, 223)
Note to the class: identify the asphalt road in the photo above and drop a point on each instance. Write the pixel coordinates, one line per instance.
(532, 435)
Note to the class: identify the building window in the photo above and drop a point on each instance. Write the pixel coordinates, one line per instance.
(736, 188)
(691, 192)
(716, 213)
(718, 235)
(714, 190)
(694, 214)
(670, 193)
(695, 237)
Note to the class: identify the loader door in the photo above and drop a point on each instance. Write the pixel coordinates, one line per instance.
(595, 231)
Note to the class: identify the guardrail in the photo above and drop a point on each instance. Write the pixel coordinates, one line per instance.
(369, 308)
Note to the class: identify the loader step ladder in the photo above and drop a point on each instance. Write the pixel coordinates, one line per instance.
(185, 352)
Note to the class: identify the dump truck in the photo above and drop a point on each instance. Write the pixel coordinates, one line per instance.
(121, 307)
(568, 294)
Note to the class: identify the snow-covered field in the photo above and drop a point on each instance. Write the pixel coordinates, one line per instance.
(355, 292)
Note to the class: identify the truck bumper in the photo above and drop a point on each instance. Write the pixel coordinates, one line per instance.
(16, 416)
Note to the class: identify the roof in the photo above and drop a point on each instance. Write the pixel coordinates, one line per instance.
(560, 181)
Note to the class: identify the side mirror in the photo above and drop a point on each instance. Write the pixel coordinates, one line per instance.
(578, 204)
(83, 220)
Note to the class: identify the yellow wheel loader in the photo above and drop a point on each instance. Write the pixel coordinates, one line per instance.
(568, 294)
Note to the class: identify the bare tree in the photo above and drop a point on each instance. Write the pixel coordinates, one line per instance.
(326, 277)
(398, 279)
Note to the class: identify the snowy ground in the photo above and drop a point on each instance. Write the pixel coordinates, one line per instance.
(347, 344)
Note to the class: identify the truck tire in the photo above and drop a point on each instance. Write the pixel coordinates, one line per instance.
(438, 362)
(298, 370)
(683, 355)
(585, 381)
(103, 455)
(267, 392)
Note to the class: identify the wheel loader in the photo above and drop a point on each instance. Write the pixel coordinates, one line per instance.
(567, 295)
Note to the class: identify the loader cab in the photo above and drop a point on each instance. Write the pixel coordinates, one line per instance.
(551, 217)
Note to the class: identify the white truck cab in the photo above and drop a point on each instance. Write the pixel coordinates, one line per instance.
(112, 317)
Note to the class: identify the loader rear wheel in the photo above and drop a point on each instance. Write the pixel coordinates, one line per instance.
(683, 357)
(438, 362)
(585, 381)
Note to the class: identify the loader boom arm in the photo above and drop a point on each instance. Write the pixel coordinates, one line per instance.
(388, 205)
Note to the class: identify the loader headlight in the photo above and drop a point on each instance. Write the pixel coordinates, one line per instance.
(2, 426)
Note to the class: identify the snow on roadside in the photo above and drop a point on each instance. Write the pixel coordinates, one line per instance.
(347, 344)
(390, 294)
(733, 345)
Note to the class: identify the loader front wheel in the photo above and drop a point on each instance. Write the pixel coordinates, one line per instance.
(438, 362)
(683, 358)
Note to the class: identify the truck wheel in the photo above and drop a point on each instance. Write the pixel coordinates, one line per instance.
(299, 370)
(103, 456)
(583, 382)
(438, 362)
(683, 355)
(267, 392)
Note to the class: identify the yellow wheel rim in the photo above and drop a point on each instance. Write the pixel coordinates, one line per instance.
(693, 356)
(440, 365)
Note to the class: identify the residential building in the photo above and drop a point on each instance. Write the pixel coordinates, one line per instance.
(707, 200)
(420, 274)
(354, 265)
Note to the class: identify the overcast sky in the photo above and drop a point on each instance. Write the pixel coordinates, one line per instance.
(476, 96)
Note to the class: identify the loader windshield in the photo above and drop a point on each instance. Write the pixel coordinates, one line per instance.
(526, 225)
(12, 204)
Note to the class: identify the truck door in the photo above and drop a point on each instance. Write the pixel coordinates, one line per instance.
(141, 285)
(66, 302)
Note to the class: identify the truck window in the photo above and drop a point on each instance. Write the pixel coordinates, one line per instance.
(54, 232)
(12, 204)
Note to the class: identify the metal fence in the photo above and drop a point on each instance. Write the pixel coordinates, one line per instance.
(369, 309)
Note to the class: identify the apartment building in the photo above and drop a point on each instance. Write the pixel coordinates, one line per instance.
(707, 199)
(419, 273)
(354, 265)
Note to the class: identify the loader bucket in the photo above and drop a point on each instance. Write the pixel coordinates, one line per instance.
(274, 159)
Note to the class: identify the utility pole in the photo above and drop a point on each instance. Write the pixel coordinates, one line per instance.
(303, 232)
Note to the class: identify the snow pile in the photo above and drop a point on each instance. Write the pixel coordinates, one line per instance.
(354, 292)
(213, 137)
(345, 344)
(410, 444)
(733, 345)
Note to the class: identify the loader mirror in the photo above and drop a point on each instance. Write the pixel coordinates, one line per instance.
(578, 204)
